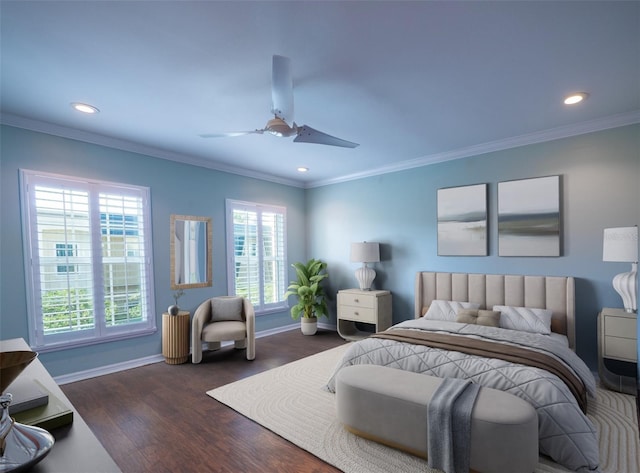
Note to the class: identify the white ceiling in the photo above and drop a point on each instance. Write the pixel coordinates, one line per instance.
(412, 82)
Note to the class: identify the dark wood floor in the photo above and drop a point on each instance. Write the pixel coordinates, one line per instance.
(157, 418)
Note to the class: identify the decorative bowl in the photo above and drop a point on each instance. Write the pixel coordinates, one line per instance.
(12, 363)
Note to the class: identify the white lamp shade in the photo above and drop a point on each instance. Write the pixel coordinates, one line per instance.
(365, 252)
(620, 244)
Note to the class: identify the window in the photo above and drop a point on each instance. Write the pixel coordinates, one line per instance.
(87, 254)
(256, 248)
(64, 250)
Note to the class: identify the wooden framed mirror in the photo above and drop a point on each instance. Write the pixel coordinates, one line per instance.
(191, 253)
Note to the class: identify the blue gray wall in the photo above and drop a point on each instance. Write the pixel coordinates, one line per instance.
(600, 187)
(175, 189)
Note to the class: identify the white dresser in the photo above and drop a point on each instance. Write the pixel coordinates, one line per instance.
(617, 341)
(364, 308)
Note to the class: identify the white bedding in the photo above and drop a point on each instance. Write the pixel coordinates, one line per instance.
(558, 337)
(565, 433)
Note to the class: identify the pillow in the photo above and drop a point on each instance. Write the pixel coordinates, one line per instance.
(447, 310)
(467, 316)
(226, 308)
(525, 319)
(488, 318)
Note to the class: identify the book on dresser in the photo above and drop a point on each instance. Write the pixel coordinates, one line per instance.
(26, 394)
(49, 416)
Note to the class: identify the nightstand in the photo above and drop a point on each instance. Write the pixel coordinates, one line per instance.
(175, 337)
(366, 307)
(617, 349)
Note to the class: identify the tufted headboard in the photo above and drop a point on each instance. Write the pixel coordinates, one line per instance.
(544, 292)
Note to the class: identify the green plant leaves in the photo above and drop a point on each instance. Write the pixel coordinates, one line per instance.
(308, 289)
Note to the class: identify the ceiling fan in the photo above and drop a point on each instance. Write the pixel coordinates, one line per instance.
(282, 109)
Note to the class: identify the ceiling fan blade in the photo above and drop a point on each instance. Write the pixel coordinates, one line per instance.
(282, 88)
(306, 134)
(231, 134)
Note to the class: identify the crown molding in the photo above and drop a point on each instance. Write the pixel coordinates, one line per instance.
(613, 121)
(600, 124)
(129, 146)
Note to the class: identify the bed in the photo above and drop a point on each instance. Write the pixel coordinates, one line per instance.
(536, 316)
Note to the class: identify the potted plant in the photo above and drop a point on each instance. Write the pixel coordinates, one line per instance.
(308, 289)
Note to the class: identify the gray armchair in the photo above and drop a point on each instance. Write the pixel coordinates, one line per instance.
(220, 319)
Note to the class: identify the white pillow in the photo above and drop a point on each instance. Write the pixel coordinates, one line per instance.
(447, 310)
(525, 319)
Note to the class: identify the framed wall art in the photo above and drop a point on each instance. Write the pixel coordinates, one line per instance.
(462, 221)
(529, 217)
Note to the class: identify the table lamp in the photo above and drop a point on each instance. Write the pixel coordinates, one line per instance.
(365, 252)
(621, 245)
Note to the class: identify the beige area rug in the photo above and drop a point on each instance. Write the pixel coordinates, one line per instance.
(290, 401)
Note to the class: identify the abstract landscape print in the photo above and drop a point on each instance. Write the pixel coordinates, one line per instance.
(462, 221)
(529, 217)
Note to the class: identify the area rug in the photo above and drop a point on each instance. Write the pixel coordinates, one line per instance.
(290, 401)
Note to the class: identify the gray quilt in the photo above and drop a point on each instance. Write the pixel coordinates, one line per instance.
(566, 435)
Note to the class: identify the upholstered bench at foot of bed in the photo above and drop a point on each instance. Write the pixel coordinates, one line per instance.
(389, 406)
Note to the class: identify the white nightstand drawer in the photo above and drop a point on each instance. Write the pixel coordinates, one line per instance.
(624, 349)
(623, 327)
(358, 314)
(357, 300)
(365, 308)
(617, 342)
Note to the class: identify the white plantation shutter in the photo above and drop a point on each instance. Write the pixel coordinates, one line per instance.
(246, 258)
(123, 254)
(256, 245)
(273, 259)
(64, 263)
(87, 250)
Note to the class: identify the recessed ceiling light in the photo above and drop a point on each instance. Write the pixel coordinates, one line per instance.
(575, 98)
(302, 169)
(84, 108)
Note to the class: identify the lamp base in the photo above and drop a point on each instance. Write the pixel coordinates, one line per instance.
(365, 277)
(625, 284)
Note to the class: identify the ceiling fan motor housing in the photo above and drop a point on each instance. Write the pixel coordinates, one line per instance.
(278, 127)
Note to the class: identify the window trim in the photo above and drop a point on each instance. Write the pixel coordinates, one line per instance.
(230, 206)
(101, 333)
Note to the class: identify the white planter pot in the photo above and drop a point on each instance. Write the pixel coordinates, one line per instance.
(309, 325)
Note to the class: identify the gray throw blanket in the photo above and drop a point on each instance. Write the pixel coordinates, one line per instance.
(449, 425)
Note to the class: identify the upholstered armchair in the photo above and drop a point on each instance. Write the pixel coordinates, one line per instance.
(221, 319)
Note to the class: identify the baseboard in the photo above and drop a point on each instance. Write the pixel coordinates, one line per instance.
(108, 369)
(127, 365)
(328, 326)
